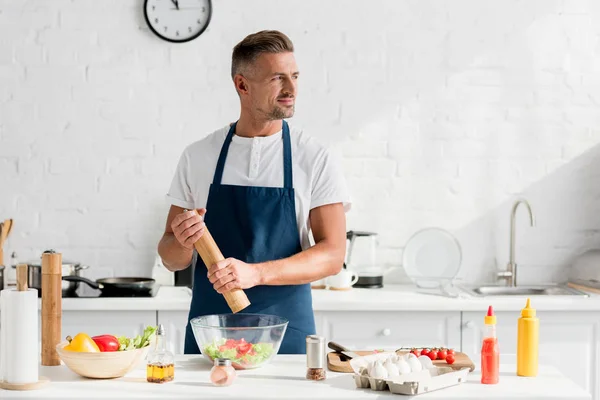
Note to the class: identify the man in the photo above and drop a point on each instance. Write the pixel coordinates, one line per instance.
(261, 187)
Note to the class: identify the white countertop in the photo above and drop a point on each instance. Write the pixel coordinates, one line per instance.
(389, 298)
(285, 378)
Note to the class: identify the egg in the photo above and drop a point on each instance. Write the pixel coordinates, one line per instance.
(379, 371)
(370, 367)
(409, 356)
(426, 362)
(403, 366)
(415, 364)
(391, 368)
(394, 358)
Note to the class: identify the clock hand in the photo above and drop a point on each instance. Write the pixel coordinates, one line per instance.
(176, 2)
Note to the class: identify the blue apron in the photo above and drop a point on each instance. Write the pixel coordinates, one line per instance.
(255, 224)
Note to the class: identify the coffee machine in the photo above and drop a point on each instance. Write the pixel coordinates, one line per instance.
(364, 263)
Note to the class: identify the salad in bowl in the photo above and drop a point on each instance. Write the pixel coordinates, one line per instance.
(248, 340)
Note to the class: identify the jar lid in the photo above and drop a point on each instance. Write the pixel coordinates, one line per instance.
(222, 362)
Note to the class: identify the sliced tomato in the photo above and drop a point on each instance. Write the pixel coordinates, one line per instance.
(230, 343)
(244, 348)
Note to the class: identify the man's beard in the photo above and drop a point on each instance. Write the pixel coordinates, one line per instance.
(281, 113)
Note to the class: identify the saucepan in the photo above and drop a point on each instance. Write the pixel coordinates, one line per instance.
(128, 286)
(69, 268)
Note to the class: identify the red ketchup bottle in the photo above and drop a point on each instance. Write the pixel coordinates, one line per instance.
(490, 356)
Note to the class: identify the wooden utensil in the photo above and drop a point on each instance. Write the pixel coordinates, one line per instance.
(210, 254)
(588, 286)
(336, 364)
(51, 306)
(5, 228)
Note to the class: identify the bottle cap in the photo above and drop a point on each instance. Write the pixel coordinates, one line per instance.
(222, 362)
(490, 318)
(315, 351)
(528, 312)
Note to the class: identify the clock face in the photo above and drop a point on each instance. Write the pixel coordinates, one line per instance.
(178, 20)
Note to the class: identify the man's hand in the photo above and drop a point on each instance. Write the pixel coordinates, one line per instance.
(232, 274)
(188, 227)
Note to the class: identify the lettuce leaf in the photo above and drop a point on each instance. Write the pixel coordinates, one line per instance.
(263, 352)
(139, 341)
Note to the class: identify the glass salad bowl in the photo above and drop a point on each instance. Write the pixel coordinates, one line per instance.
(248, 340)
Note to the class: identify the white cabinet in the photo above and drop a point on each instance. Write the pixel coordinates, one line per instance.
(174, 323)
(568, 340)
(390, 330)
(126, 323)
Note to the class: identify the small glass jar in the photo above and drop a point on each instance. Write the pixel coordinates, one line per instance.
(222, 373)
(315, 358)
(161, 362)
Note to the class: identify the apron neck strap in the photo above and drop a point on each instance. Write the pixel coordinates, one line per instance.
(287, 156)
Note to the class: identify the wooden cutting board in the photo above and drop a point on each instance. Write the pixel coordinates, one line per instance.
(335, 363)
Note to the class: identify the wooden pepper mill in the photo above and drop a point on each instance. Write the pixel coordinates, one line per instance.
(210, 254)
(51, 306)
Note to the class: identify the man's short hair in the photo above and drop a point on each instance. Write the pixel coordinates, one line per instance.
(248, 50)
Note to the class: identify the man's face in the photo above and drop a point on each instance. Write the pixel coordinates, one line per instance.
(272, 85)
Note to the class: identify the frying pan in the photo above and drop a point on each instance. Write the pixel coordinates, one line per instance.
(117, 286)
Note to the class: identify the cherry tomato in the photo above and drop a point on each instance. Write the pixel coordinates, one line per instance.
(450, 359)
(425, 352)
(450, 351)
(416, 352)
(442, 353)
(432, 354)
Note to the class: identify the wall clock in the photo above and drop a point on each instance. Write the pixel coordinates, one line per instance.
(177, 21)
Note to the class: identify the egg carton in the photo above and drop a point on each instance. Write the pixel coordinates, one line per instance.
(420, 382)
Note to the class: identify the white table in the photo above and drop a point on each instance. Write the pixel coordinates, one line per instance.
(285, 378)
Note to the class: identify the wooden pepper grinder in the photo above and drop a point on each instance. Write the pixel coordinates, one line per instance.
(51, 306)
(210, 253)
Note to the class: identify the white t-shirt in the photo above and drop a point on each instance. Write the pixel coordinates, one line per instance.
(318, 178)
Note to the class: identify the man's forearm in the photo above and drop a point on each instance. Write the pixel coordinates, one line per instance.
(321, 260)
(174, 256)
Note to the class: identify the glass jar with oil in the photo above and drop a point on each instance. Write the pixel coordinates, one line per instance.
(161, 362)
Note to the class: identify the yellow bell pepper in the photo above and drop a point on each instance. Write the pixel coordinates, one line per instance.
(82, 343)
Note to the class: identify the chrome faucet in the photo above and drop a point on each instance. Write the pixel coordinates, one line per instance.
(511, 269)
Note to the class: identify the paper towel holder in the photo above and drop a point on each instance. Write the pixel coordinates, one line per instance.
(42, 380)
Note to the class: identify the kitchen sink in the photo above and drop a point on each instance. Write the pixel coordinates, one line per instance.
(555, 290)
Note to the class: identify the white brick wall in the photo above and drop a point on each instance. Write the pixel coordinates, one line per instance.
(445, 111)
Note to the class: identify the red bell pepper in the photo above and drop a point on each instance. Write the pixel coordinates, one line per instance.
(106, 342)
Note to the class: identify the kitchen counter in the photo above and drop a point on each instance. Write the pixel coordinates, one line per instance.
(390, 298)
(284, 378)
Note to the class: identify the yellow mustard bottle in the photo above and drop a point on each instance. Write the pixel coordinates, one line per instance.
(527, 342)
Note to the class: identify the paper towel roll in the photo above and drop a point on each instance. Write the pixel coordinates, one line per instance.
(19, 347)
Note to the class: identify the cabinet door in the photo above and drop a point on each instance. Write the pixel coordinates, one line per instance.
(126, 323)
(174, 323)
(389, 330)
(568, 341)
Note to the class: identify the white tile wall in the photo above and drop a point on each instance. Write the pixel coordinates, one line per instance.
(445, 111)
